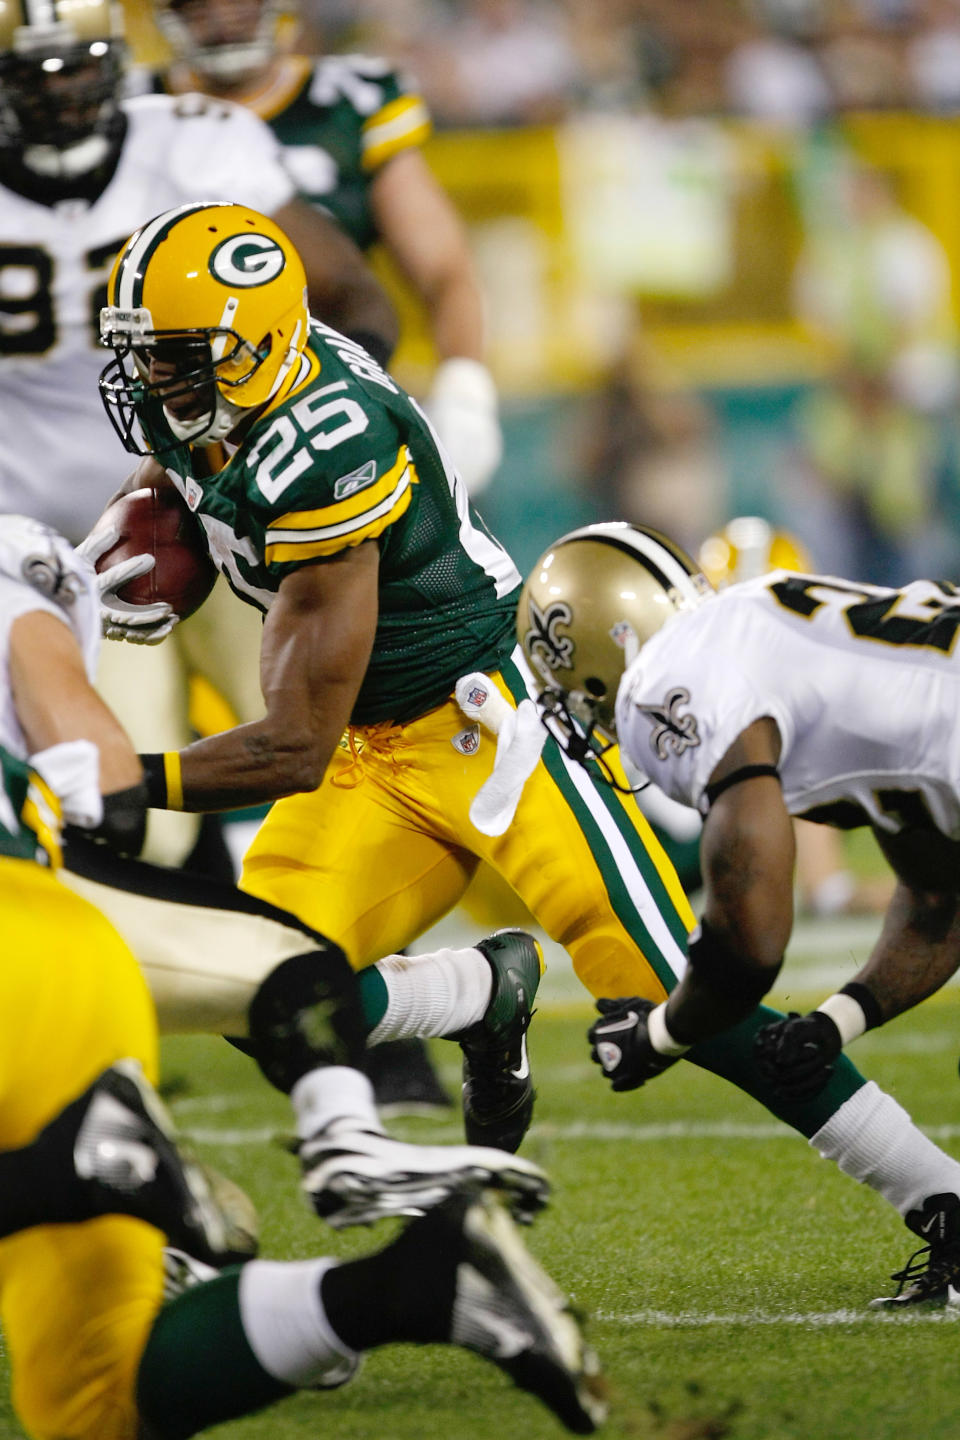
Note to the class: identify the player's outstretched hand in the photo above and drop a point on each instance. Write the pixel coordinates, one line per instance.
(797, 1055)
(620, 1043)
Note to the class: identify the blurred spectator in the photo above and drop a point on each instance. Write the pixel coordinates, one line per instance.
(875, 284)
(777, 79)
(933, 59)
(650, 453)
(507, 62)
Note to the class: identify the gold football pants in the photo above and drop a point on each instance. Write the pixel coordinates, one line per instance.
(385, 847)
(76, 1301)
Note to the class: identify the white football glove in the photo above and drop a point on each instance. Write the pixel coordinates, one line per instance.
(462, 405)
(122, 619)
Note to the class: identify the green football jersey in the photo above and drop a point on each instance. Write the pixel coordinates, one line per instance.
(339, 119)
(29, 813)
(348, 457)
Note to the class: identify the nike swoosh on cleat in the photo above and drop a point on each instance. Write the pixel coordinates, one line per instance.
(926, 1229)
(523, 1069)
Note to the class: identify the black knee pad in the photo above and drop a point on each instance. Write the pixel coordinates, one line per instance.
(306, 1014)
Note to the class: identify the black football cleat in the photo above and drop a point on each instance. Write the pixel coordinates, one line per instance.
(498, 1092)
(503, 1306)
(932, 1274)
(126, 1161)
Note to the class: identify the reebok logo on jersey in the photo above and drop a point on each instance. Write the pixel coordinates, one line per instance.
(356, 480)
(672, 732)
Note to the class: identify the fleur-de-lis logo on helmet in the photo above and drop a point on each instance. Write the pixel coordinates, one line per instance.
(672, 733)
(546, 648)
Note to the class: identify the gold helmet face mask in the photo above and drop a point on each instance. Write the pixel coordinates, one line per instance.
(61, 73)
(207, 318)
(588, 606)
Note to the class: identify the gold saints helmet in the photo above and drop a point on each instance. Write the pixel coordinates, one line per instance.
(61, 72)
(589, 604)
(217, 293)
(747, 547)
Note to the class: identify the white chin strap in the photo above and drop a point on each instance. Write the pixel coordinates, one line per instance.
(206, 429)
(64, 164)
(231, 62)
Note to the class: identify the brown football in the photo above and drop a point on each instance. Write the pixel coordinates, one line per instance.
(155, 520)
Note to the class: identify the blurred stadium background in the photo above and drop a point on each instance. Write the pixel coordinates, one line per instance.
(719, 240)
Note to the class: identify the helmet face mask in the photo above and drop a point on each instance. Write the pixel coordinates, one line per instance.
(208, 324)
(588, 606)
(60, 83)
(225, 42)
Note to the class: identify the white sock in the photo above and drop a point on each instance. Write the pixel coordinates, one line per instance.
(873, 1139)
(334, 1096)
(431, 995)
(286, 1324)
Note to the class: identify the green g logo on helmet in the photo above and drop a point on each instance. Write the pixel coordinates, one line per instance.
(247, 260)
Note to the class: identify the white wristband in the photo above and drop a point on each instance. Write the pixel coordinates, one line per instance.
(660, 1037)
(846, 1014)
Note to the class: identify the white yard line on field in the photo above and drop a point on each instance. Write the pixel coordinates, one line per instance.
(812, 1320)
(579, 1131)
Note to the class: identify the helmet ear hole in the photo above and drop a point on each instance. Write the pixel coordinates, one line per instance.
(595, 687)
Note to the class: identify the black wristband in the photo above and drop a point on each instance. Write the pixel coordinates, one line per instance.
(866, 1000)
(374, 345)
(155, 779)
(746, 772)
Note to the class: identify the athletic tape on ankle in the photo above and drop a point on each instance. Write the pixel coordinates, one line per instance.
(660, 1037)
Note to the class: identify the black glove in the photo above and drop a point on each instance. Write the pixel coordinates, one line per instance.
(619, 1042)
(797, 1055)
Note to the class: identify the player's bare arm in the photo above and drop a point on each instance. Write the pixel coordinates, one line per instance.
(426, 237)
(341, 286)
(747, 857)
(317, 641)
(55, 701)
(919, 946)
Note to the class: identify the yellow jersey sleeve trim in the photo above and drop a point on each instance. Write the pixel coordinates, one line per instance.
(366, 499)
(401, 125)
(42, 813)
(286, 543)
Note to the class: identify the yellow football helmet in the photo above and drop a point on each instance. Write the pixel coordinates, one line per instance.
(61, 69)
(747, 547)
(216, 295)
(589, 604)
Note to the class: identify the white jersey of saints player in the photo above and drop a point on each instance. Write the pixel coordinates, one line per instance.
(862, 682)
(59, 457)
(40, 571)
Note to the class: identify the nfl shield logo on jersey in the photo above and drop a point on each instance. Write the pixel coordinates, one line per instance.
(468, 741)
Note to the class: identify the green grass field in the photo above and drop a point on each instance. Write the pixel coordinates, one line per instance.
(726, 1268)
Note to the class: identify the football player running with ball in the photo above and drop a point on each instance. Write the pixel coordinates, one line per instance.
(337, 516)
(80, 168)
(786, 695)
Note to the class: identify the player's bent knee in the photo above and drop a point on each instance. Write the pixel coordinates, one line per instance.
(305, 1014)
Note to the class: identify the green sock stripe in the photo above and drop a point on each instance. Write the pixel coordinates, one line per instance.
(620, 899)
(373, 996)
(730, 1055)
(198, 1369)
